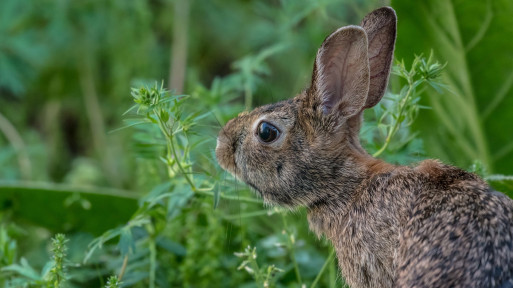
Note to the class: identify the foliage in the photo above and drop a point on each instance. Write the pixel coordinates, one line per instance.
(57, 273)
(264, 276)
(397, 112)
(113, 282)
(472, 119)
(140, 196)
(53, 274)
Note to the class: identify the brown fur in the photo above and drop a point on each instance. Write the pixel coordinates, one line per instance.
(432, 225)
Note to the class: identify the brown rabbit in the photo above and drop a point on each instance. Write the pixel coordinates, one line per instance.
(432, 225)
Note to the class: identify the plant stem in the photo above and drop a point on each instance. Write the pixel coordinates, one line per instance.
(326, 263)
(17, 143)
(332, 273)
(96, 121)
(178, 63)
(251, 214)
(153, 261)
(394, 128)
(228, 197)
(171, 148)
(123, 268)
(248, 95)
(290, 247)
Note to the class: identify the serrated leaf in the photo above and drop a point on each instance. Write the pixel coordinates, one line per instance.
(126, 243)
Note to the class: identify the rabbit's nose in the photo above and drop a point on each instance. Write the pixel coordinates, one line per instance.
(222, 140)
(224, 152)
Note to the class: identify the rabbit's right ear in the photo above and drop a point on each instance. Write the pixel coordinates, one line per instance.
(340, 79)
(380, 26)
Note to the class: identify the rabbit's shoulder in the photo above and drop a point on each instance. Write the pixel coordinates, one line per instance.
(458, 229)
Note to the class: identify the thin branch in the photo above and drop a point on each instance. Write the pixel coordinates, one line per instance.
(326, 263)
(482, 28)
(178, 64)
(501, 94)
(503, 151)
(17, 143)
(123, 268)
(96, 121)
(394, 128)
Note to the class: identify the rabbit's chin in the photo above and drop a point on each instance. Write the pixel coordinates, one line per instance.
(272, 199)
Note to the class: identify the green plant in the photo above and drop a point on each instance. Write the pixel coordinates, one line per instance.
(387, 131)
(52, 275)
(113, 282)
(470, 121)
(126, 201)
(264, 276)
(57, 273)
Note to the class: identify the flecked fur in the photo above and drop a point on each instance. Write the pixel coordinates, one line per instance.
(432, 225)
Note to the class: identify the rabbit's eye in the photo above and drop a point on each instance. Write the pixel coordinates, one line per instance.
(267, 132)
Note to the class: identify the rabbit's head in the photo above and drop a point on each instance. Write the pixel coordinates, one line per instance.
(303, 150)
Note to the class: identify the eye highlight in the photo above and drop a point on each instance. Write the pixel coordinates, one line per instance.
(267, 132)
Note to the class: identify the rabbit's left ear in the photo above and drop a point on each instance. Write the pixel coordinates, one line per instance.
(380, 26)
(340, 80)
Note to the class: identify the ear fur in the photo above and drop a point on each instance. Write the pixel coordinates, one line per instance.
(340, 80)
(380, 26)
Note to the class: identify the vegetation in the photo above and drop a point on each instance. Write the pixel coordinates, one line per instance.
(103, 189)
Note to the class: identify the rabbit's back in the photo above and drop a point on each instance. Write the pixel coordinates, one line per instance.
(458, 233)
(430, 226)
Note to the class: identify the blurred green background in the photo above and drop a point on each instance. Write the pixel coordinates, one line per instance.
(66, 68)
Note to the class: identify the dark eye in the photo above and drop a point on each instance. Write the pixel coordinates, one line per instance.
(267, 132)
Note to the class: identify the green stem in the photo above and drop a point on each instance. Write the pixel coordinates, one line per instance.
(248, 97)
(290, 247)
(394, 128)
(332, 274)
(252, 214)
(256, 268)
(96, 122)
(178, 57)
(153, 261)
(17, 143)
(326, 263)
(123, 268)
(228, 197)
(171, 147)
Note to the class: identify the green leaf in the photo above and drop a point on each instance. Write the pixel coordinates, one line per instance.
(24, 269)
(502, 183)
(178, 200)
(474, 38)
(171, 246)
(45, 205)
(126, 241)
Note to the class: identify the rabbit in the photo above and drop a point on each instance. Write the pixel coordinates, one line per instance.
(431, 225)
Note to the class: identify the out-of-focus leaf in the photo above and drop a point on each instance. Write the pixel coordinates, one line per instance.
(92, 209)
(24, 269)
(502, 183)
(126, 241)
(473, 121)
(177, 201)
(171, 246)
(20, 52)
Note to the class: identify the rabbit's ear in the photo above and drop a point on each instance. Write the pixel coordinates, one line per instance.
(380, 26)
(340, 80)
